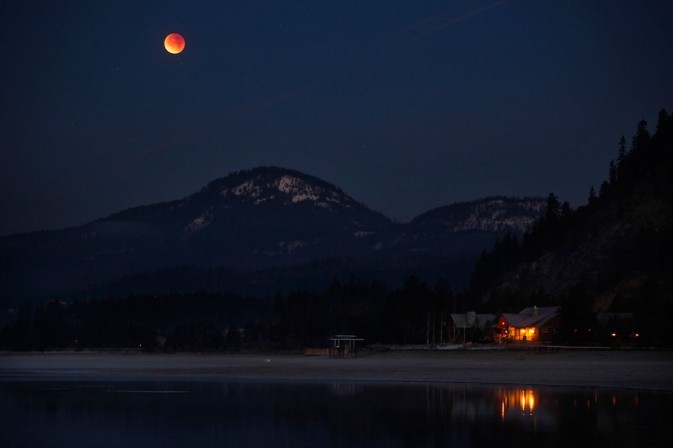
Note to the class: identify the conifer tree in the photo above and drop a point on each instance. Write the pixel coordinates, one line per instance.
(642, 138)
(612, 175)
(621, 153)
(592, 195)
(553, 208)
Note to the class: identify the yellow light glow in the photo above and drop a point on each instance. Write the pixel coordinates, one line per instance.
(523, 400)
(613, 334)
(531, 401)
(527, 401)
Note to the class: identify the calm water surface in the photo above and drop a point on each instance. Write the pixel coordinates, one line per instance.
(288, 414)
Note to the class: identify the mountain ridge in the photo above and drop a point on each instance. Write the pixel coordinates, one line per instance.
(262, 217)
(492, 213)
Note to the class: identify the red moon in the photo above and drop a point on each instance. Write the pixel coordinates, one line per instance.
(174, 43)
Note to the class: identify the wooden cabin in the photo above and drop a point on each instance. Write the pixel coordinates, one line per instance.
(533, 324)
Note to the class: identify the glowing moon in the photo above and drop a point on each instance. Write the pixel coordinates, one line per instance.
(174, 43)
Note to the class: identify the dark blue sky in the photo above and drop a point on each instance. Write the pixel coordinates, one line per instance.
(405, 105)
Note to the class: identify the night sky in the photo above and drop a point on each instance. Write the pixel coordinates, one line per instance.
(406, 105)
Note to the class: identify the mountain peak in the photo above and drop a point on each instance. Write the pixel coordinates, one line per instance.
(495, 214)
(283, 185)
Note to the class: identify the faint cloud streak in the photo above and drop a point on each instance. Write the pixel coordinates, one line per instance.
(434, 24)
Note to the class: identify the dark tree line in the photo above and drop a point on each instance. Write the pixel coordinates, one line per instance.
(199, 321)
(414, 313)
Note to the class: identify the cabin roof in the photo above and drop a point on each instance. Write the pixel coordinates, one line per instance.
(531, 317)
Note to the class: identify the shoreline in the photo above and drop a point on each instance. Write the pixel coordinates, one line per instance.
(616, 369)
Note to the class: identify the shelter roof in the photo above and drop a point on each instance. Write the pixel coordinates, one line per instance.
(481, 320)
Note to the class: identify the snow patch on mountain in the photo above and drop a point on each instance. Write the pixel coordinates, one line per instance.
(292, 189)
(199, 223)
(264, 199)
(300, 190)
(497, 214)
(249, 188)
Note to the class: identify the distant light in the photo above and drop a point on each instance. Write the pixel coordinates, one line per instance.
(613, 334)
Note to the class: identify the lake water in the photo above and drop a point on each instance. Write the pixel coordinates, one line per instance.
(290, 414)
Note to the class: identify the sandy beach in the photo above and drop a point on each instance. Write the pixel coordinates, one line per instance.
(645, 370)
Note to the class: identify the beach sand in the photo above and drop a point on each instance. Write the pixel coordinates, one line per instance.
(623, 369)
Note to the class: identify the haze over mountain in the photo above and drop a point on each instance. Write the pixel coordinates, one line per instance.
(273, 219)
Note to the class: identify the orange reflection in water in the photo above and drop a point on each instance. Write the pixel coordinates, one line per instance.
(520, 400)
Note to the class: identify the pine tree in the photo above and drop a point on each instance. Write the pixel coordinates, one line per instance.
(553, 208)
(612, 173)
(621, 153)
(592, 195)
(642, 138)
(662, 122)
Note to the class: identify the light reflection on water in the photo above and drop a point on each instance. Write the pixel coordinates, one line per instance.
(278, 414)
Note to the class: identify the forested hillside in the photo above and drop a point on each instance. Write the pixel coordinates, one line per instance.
(614, 253)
